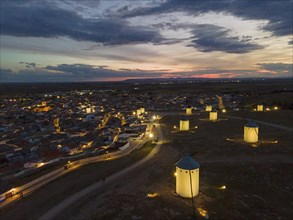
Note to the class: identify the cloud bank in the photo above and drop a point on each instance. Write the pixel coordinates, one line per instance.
(83, 72)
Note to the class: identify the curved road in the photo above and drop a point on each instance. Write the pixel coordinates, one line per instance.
(26, 189)
(52, 213)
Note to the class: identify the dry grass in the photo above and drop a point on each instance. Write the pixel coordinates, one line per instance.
(258, 180)
(280, 117)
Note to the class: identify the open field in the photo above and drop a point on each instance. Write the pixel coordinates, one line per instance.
(258, 180)
(196, 87)
(49, 195)
(282, 100)
(280, 117)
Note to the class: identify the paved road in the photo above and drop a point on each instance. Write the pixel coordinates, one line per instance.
(21, 191)
(52, 213)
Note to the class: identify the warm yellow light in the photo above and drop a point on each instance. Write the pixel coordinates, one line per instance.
(268, 109)
(276, 142)
(175, 174)
(133, 113)
(175, 126)
(202, 212)
(196, 127)
(151, 135)
(254, 109)
(152, 195)
(276, 108)
(68, 161)
(223, 187)
(224, 110)
(154, 117)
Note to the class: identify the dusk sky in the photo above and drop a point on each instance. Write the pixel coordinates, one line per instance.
(66, 40)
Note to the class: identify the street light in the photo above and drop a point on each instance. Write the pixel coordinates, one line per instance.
(151, 135)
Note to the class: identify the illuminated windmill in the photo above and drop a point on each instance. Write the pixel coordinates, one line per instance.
(187, 177)
(184, 124)
(259, 108)
(213, 115)
(209, 108)
(188, 110)
(251, 132)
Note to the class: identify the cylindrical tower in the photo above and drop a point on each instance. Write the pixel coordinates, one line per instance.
(184, 124)
(188, 110)
(187, 177)
(209, 108)
(251, 132)
(213, 116)
(259, 108)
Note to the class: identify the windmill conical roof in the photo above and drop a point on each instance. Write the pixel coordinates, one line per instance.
(187, 163)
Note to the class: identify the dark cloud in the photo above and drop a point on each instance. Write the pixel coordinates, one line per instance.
(208, 38)
(278, 67)
(278, 13)
(29, 65)
(38, 20)
(82, 72)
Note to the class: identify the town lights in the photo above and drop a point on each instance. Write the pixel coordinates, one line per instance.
(224, 111)
(133, 113)
(175, 174)
(151, 135)
(275, 108)
(154, 117)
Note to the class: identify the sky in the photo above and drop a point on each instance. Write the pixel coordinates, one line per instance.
(76, 41)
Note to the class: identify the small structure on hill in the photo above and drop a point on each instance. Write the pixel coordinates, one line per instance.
(184, 124)
(209, 108)
(142, 110)
(188, 110)
(251, 132)
(187, 177)
(213, 115)
(259, 108)
(138, 112)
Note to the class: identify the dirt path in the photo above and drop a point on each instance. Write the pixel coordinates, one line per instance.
(135, 181)
(52, 213)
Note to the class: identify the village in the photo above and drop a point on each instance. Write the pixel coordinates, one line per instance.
(40, 130)
(46, 136)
